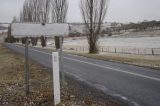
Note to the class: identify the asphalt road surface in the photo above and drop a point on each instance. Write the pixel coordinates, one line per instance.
(137, 85)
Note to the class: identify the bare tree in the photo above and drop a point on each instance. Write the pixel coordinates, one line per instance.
(93, 13)
(59, 11)
(44, 10)
(35, 11)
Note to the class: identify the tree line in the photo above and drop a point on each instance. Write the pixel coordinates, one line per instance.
(55, 11)
(140, 26)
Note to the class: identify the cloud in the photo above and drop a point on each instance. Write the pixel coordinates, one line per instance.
(119, 10)
(9, 9)
(133, 10)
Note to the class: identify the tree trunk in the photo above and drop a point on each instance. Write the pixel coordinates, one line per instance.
(93, 48)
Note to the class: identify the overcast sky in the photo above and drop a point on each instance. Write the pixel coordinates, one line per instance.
(119, 10)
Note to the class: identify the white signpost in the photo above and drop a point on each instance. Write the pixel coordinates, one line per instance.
(56, 80)
(47, 30)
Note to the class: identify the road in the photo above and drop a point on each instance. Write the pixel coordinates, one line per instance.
(137, 85)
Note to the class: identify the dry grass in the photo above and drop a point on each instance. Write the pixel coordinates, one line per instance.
(151, 61)
(12, 85)
(127, 59)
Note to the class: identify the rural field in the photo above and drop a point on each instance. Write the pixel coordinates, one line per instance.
(141, 50)
(79, 53)
(129, 42)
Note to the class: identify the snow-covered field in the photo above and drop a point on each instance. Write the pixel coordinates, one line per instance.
(135, 45)
(138, 42)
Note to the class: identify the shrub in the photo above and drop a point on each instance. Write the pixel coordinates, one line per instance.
(10, 39)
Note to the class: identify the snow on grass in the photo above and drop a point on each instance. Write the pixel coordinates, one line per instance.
(138, 42)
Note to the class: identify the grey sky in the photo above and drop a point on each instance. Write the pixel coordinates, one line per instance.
(119, 10)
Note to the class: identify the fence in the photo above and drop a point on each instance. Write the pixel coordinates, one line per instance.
(120, 50)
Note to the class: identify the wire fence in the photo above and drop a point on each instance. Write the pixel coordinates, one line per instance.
(120, 50)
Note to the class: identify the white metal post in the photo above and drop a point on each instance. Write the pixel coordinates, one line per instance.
(56, 79)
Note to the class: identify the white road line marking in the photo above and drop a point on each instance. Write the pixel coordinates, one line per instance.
(111, 68)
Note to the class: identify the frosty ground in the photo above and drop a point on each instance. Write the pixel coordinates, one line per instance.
(137, 42)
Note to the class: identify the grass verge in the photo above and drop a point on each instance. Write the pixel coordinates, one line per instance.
(12, 85)
(150, 61)
(126, 59)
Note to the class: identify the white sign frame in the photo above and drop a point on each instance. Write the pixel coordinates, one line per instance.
(38, 29)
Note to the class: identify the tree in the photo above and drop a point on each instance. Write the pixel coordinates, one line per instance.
(34, 41)
(59, 12)
(10, 38)
(93, 13)
(43, 41)
(35, 11)
(14, 19)
(23, 40)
